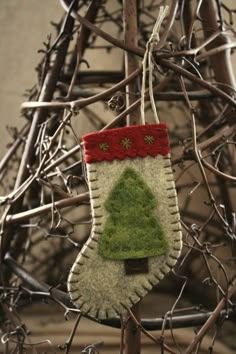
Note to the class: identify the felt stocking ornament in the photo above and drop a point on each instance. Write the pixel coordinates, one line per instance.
(136, 232)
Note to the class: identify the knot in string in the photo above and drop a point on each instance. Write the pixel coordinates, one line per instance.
(154, 39)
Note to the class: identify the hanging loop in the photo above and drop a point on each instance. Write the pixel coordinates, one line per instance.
(147, 61)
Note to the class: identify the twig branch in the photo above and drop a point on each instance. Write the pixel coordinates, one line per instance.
(60, 204)
(211, 320)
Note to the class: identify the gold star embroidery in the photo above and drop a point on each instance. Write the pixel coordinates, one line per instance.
(126, 143)
(103, 146)
(149, 139)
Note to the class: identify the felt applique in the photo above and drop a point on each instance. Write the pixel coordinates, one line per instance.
(136, 233)
(131, 230)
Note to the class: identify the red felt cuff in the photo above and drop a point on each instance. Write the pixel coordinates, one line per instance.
(132, 141)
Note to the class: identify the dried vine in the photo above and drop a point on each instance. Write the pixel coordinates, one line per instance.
(46, 214)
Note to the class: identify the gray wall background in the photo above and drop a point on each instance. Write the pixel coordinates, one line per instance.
(24, 25)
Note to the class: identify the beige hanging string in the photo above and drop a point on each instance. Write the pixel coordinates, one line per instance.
(147, 60)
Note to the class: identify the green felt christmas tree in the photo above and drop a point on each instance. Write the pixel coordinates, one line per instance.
(131, 230)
